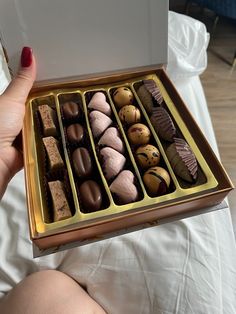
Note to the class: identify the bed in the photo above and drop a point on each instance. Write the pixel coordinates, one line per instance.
(188, 266)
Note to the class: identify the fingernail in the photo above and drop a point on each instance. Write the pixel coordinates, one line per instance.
(26, 57)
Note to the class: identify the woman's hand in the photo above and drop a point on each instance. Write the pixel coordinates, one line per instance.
(12, 110)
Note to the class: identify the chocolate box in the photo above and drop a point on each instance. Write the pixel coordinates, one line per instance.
(101, 64)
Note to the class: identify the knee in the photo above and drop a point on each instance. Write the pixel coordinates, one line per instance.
(43, 286)
(49, 291)
(47, 282)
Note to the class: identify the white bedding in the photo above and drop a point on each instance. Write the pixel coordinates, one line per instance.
(184, 267)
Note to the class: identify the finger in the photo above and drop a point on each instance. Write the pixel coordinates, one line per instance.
(20, 86)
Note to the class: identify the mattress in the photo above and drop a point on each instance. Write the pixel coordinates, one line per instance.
(188, 266)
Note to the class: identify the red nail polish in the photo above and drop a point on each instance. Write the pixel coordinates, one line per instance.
(26, 57)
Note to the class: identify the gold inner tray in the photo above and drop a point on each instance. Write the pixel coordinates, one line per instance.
(38, 204)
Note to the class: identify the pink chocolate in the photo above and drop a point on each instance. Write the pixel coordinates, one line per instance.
(123, 186)
(111, 138)
(99, 122)
(113, 162)
(98, 102)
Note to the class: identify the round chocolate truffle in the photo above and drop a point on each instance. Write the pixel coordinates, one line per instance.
(75, 133)
(157, 181)
(129, 114)
(71, 110)
(82, 162)
(147, 156)
(123, 96)
(139, 134)
(90, 196)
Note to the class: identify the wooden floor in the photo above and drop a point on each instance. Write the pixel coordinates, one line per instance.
(219, 82)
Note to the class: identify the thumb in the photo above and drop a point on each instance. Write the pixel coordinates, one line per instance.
(20, 86)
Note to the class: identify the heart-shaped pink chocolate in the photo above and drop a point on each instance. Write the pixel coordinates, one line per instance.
(98, 102)
(113, 162)
(99, 122)
(111, 138)
(124, 188)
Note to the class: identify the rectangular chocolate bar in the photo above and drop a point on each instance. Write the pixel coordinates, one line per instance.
(61, 209)
(48, 119)
(53, 153)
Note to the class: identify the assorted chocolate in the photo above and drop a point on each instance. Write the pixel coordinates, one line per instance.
(54, 171)
(105, 154)
(90, 191)
(140, 139)
(83, 165)
(110, 147)
(179, 153)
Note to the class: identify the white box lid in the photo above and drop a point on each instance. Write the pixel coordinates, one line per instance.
(78, 37)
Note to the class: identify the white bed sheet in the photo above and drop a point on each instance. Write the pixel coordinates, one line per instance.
(187, 266)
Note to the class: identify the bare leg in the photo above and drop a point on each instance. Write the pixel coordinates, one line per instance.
(49, 292)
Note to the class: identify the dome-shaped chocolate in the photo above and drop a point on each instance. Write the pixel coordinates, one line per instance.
(156, 181)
